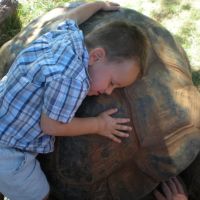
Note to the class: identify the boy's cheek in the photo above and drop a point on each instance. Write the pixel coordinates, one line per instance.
(92, 93)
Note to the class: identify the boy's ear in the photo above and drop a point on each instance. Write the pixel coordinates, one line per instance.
(96, 55)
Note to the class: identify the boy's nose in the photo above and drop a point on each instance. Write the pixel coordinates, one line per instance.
(108, 91)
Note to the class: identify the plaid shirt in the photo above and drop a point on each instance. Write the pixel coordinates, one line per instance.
(50, 76)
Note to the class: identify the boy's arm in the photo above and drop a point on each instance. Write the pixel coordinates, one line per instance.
(83, 12)
(103, 124)
(77, 126)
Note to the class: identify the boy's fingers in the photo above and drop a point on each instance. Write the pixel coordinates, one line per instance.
(178, 185)
(123, 127)
(112, 6)
(113, 3)
(114, 138)
(158, 195)
(166, 190)
(172, 186)
(111, 111)
(121, 134)
(122, 120)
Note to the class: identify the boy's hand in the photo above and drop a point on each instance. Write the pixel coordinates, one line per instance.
(110, 6)
(111, 127)
(171, 190)
(81, 13)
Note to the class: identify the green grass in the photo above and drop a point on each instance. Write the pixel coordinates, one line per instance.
(12, 27)
(196, 78)
(31, 9)
(181, 18)
(26, 12)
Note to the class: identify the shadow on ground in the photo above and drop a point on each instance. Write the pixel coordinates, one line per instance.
(9, 28)
(196, 78)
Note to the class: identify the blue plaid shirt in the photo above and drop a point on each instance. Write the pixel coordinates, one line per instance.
(50, 76)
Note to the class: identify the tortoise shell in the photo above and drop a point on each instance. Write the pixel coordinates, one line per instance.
(164, 108)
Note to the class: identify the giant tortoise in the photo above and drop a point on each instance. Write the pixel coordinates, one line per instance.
(163, 107)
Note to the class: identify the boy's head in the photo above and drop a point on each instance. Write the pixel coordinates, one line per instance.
(117, 56)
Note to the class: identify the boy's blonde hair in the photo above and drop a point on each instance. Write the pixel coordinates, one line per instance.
(121, 40)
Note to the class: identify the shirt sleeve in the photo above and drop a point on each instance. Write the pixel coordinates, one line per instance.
(62, 98)
(69, 24)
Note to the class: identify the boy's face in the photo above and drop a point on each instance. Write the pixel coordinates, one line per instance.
(106, 76)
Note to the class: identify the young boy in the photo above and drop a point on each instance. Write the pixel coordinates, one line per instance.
(47, 83)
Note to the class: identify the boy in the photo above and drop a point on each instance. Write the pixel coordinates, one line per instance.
(47, 83)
